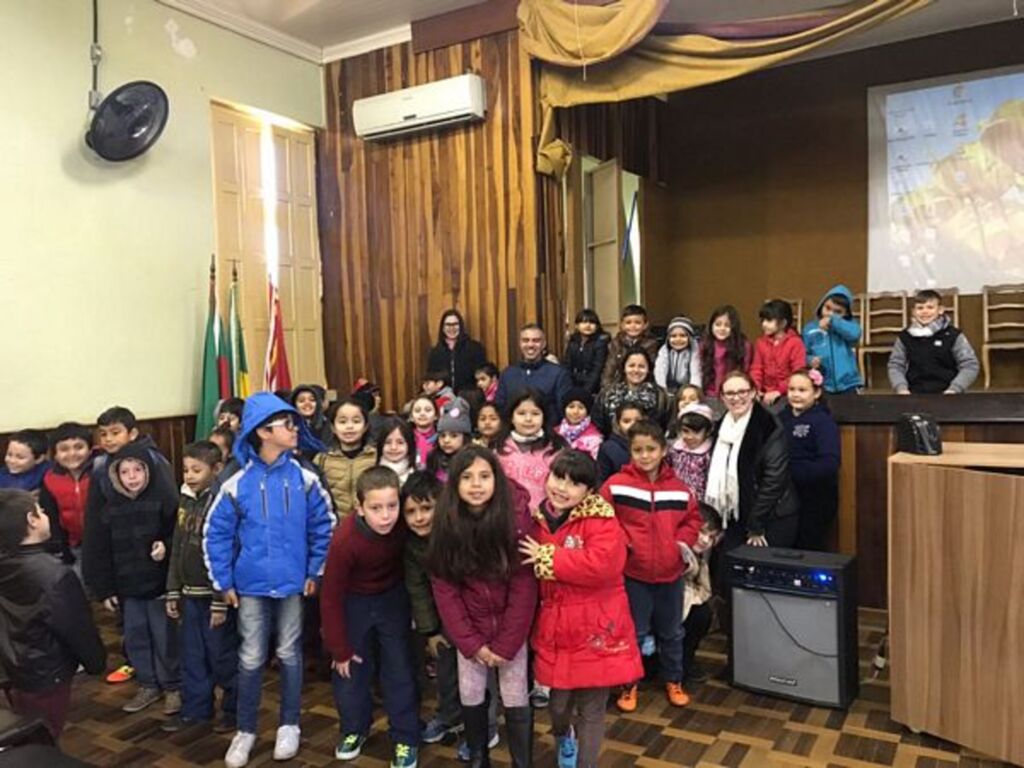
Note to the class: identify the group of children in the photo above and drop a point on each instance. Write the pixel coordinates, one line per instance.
(535, 561)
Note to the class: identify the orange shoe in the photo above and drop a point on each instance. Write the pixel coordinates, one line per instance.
(627, 700)
(122, 674)
(676, 695)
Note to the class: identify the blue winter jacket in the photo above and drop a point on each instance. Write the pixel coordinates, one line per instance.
(835, 346)
(269, 526)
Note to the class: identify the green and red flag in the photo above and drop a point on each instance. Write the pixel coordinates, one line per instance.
(216, 382)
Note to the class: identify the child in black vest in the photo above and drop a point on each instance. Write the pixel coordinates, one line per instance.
(931, 355)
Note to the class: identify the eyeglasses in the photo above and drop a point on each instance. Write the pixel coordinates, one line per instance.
(452, 324)
(737, 394)
(287, 422)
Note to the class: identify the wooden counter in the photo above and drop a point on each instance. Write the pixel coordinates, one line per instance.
(956, 595)
(866, 430)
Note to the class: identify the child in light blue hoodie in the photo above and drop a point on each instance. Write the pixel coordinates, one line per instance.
(831, 339)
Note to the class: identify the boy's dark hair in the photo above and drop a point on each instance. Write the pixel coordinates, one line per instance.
(631, 310)
(466, 545)
(35, 439)
(376, 479)
(14, 508)
(711, 517)
(696, 422)
(735, 345)
(388, 425)
(578, 466)
(630, 406)
(232, 405)
(489, 368)
(927, 294)
(355, 402)
(549, 437)
(117, 414)
(227, 433)
(839, 299)
(443, 376)
(647, 428)
(421, 486)
(204, 451)
(777, 309)
(70, 430)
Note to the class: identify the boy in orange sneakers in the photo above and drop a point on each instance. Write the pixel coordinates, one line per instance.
(661, 518)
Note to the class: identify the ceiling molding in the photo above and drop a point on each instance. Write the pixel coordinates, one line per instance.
(383, 39)
(254, 30)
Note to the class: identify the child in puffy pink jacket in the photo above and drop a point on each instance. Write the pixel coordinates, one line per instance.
(576, 428)
(528, 445)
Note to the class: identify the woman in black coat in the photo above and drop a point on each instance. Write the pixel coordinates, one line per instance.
(455, 353)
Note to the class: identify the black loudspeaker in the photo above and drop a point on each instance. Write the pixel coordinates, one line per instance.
(918, 433)
(794, 624)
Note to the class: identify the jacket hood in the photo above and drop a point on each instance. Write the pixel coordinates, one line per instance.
(315, 390)
(136, 452)
(259, 408)
(840, 289)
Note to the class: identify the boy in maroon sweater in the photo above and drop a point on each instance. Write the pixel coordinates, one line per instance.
(365, 613)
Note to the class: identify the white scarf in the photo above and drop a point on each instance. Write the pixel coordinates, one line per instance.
(401, 468)
(723, 488)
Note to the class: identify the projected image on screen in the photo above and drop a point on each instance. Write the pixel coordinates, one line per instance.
(947, 183)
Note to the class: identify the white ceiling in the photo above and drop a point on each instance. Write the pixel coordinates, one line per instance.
(328, 29)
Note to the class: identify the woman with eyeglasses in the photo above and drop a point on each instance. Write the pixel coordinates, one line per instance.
(748, 482)
(455, 352)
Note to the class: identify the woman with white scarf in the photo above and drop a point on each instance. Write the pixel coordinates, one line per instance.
(748, 482)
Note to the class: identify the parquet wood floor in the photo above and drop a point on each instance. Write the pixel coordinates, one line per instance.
(722, 727)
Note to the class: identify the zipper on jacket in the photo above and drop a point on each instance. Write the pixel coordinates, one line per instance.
(263, 495)
(287, 501)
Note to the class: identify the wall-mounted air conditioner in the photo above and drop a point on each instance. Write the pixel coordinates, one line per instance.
(421, 108)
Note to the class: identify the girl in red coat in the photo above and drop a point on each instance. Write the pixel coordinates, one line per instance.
(486, 598)
(584, 641)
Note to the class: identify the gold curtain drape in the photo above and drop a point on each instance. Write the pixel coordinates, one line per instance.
(557, 31)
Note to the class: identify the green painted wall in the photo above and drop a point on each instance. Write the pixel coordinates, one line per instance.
(103, 267)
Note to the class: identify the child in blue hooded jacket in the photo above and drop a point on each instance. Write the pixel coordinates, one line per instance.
(831, 339)
(265, 541)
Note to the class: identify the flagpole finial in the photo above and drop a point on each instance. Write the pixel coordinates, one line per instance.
(213, 265)
(234, 272)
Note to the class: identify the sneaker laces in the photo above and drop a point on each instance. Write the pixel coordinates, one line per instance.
(402, 750)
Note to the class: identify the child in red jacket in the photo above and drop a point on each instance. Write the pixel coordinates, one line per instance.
(485, 596)
(662, 521)
(584, 641)
(778, 352)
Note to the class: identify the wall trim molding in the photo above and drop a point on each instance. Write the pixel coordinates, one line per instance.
(383, 39)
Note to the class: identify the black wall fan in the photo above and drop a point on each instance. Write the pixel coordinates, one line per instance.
(130, 119)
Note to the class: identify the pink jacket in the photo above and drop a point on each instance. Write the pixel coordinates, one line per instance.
(776, 359)
(528, 468)
(588, 441)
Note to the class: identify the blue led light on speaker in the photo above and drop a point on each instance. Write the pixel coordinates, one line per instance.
(824, 578)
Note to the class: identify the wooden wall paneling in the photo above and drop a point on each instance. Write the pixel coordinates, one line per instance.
(429, 221)
(874, 444)
(847, 523)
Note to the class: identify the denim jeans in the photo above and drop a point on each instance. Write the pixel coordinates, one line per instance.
(659, 607)
(151, 643)
(209, 657)
(256, 616)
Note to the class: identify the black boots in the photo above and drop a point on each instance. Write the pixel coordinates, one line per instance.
(519, 725)
(477, 734)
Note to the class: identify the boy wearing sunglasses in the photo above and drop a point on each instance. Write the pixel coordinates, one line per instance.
(265, 542)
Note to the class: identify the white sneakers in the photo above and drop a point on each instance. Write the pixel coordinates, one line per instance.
(287, 744)
(238, 753)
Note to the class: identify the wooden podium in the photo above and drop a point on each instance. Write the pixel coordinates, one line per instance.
(956, 595)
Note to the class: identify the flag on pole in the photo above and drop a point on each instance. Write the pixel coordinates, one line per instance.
(240, 382)
(215, 385)
(275, 368)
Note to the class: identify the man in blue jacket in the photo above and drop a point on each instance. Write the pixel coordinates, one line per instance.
(265, 542)
(535, 371)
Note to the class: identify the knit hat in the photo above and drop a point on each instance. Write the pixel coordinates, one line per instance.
(700, 409)
(364, 385)
(681, 321)
(579, 395)
(455, 417)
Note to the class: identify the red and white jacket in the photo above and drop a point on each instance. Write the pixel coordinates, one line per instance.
(657, 517)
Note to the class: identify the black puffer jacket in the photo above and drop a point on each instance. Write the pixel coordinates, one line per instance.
(46, 629)
(118, 539)
(766, 492)
(585, 361)
(459, 363)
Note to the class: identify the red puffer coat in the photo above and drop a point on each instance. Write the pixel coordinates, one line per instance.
(584, 636)
(496, 613)
(656, 517)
